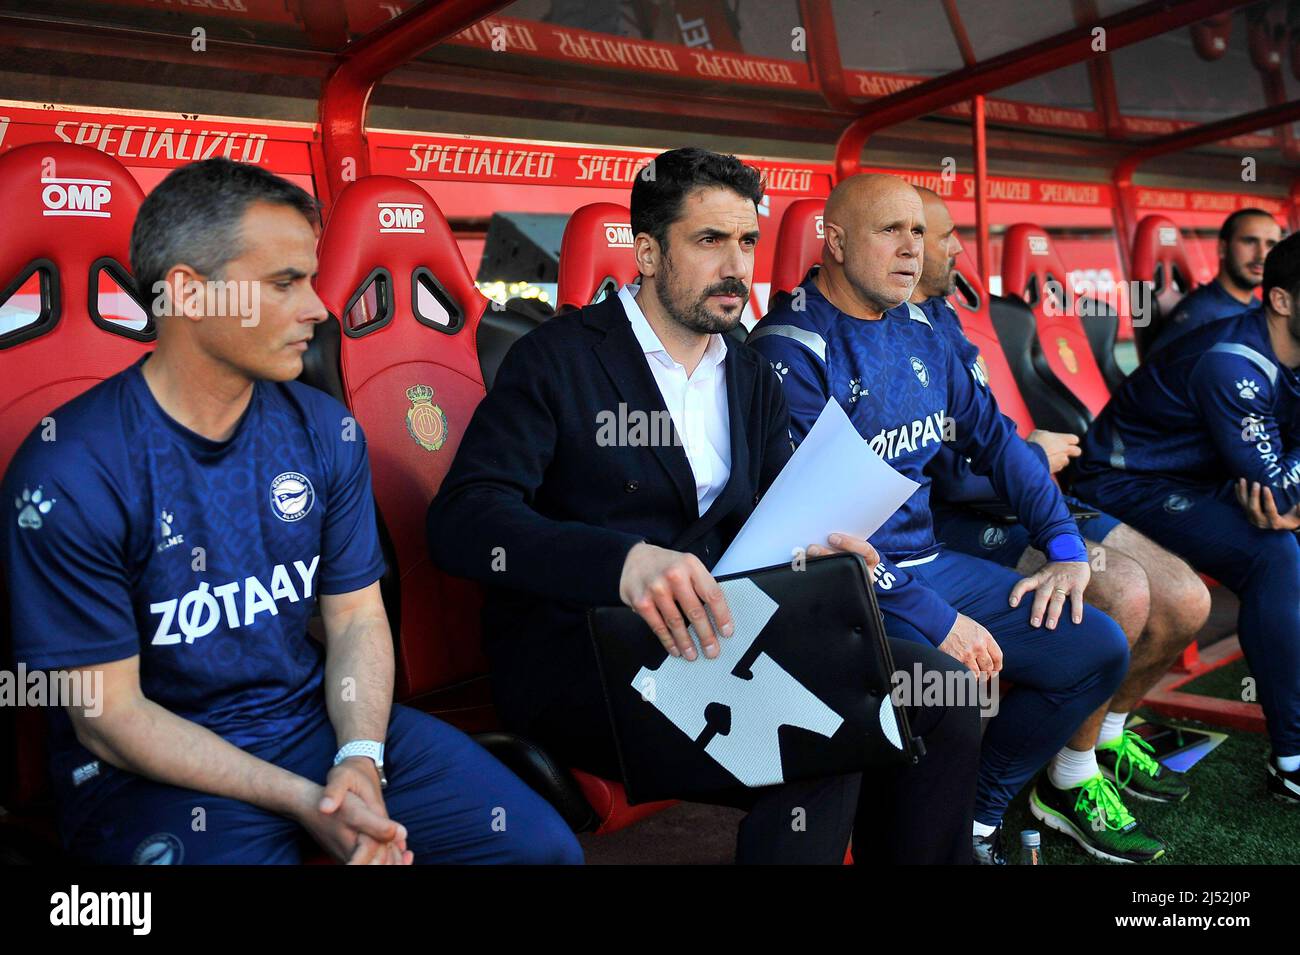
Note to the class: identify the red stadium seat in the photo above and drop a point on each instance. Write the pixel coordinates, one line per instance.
(799, 243)
(69, 211)
(390, 270)
(1160, 260)
(595, 261)
(1032, 271)
(595, 255)
(973, 309)
(408, 369)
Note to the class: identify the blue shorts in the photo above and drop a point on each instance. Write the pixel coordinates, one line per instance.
(971, 532)
(458, 804)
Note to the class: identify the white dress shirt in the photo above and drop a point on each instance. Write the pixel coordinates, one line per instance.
(697, 403)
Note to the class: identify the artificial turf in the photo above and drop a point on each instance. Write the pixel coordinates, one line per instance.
(1229, 819)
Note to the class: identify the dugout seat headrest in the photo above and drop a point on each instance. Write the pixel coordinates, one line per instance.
(1160, 257)
(391, 272)
(1029, 261)
(68, 215)
(595, 254)
(799, 242)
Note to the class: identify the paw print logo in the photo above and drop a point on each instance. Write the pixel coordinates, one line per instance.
(1248, 388)
(32, 506)
(165, 520)
(856, 390)
(781, 369)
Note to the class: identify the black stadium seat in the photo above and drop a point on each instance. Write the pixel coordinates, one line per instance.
(80, 259)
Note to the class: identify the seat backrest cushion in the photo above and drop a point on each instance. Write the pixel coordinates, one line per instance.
(799, 242)
(411, 376)
(1159, 259)
(595, 254)
(68, 213)
(1033, 271)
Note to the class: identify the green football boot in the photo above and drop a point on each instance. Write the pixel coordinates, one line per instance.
(1095, 817)
(1128, 763)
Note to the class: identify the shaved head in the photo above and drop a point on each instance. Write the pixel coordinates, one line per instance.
(874, 226)
(938, 273)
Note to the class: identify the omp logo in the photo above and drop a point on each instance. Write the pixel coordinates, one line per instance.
(618, 235)
(76, 197)
(1168, 236)
(760, 703)
(401, 217)
(1038, 245)
(819, 226)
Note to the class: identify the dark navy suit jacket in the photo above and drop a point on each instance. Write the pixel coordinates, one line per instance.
(541, 507)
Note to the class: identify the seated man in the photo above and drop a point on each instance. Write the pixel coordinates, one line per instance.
(555, 516)
(1246, 238)
(192, 510)
(849, 334)
(1158, 601)
(1200, 451)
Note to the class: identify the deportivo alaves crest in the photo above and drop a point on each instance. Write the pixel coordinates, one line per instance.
(760, 706)
(425, 421)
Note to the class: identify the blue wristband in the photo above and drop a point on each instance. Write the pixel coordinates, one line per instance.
(1067, 547)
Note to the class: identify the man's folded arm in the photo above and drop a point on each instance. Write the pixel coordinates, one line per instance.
(484, 524)
(135, 734)
(1235, 397)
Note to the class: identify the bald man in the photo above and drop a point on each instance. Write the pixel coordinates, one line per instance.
(1155, 597)
(849, 334)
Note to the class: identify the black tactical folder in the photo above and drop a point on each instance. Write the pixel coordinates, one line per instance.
(801, 690)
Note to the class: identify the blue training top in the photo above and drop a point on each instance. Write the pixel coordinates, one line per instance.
(1214, 406)
(133, 535)
(908, 392)
(1205, 304)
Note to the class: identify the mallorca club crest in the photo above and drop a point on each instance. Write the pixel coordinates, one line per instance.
(1067, 356)
(425, 421)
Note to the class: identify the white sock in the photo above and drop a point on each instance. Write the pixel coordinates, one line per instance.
(980, 829)
(1112, 727)
(1288, 764)
(1070, 768)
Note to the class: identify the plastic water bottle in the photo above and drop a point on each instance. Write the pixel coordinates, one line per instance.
(1031, 848)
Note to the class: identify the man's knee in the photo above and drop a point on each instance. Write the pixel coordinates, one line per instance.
(1120, 589)
(541, 837)
(1180, 602)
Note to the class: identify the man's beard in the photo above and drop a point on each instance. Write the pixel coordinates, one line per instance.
(693, 313)
(1241, 279)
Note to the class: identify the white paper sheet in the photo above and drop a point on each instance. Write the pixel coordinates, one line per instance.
(833, 482)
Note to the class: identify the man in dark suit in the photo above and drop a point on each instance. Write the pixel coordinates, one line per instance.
(620, 450)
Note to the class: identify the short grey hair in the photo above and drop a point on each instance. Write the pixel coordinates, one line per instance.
(194, 216)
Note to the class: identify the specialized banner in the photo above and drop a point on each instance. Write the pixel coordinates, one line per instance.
(160, 139)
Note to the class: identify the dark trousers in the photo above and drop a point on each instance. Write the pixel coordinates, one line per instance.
(905, 814)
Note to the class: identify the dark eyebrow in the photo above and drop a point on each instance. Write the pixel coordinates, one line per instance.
(289, 273)
(709, 232)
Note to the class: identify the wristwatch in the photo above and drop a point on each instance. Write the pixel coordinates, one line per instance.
(371, 749)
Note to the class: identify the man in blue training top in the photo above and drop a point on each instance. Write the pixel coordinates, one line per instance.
(849, 334)
(1157, 599)
(1200, 450)
(1245, 240)
(176, 538)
